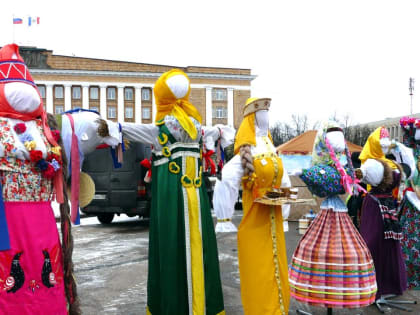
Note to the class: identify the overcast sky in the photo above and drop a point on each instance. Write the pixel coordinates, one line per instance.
(313, 57)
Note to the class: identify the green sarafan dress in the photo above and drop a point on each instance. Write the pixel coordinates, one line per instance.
(184, 275)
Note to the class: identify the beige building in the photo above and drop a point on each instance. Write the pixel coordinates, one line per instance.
(123, 91)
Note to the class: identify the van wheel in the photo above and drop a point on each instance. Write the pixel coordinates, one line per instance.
(106, 218)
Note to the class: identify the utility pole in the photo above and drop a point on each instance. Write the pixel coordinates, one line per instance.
(411, 89)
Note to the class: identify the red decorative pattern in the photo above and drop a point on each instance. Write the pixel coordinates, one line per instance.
(15, 71)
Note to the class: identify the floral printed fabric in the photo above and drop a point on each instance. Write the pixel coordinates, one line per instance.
(20, 179)
(410, 222)
(322, 180)
(26, 187)
(178, 132)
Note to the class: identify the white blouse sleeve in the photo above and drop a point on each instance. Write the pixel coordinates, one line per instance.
(285, 180)
(225, 133)
(210, 136)
(405, 155)
(144, 133)
(285, 209)
(226, 194)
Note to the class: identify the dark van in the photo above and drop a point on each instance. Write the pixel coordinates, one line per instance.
(118, 190)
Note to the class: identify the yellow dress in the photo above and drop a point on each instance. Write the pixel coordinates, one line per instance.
(262, 249)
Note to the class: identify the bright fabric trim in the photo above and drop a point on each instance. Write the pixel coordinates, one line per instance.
(187, 241)
(331, 264)
(336, 276)
(197, 266)
(371, 287)
(332, 270)
(330, 281)
(333, 302)
(333, 293)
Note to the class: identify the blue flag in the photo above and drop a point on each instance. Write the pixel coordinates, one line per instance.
(33, 20)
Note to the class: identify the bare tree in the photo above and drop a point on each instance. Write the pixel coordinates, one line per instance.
(358, 134)
(346, 122)
(276, 133)
(300, 123)
(281, 132)
(316, 125)
(334, 117)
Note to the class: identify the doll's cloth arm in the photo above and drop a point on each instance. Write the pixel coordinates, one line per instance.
(226, 194)
(144, 133)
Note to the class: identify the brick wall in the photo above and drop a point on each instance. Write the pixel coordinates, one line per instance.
(95, 104)
(239, 99)
(218, 70)
(92, 79)
(198, 95)
(78, 78)
(222, 121)
(80, 63)
(198, 99)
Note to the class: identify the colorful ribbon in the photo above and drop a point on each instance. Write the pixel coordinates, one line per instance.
(147, 163)
(4, 231)
(209, 161)
(117, 154)
(353, 302)
(345, 180)
(75, 174)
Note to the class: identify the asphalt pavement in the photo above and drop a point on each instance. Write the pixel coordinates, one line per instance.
(111, 269)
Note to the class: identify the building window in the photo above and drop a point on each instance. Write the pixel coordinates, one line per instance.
(111, 94)
(146, 113)
(95, 108)
(41, 89)
(219, 112)
(112, 112)
(58, 92)
(128, 94)
(59, 109)
(145, 94)
(94, 93)
(219, 94)
(129, 112)
(76, 93)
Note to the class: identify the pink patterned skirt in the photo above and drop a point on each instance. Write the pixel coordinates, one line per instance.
(332, 266)
(31, 272)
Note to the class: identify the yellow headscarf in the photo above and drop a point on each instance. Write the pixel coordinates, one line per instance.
(168, 104)
(246, 131)
(373, 150)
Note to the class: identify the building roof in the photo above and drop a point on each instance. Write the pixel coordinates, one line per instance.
(303, 144)
(45, 65)
(389, 121)
(43, 61)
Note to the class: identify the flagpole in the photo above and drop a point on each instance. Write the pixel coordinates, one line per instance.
(13, 28)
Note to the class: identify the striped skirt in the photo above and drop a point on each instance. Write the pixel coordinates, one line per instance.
(332, 266)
